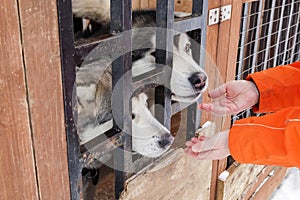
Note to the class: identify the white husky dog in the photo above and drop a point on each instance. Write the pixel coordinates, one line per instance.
(188, 81)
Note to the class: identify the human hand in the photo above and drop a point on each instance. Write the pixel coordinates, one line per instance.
(233, 97)
(209, 148)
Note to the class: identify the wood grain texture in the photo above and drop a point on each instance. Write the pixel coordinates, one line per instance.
(260, 178)
(40, 40)
(183, 5)
(234, 36)
(177, 176)
(240, 178)
(215, 80)
(266, 191)
(17, 170)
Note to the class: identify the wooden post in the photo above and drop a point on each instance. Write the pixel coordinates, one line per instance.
(39, 26)
(33, 152)
(17, 168)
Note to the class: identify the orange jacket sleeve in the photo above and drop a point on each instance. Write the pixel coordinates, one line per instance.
(273, 139)
(278, 87)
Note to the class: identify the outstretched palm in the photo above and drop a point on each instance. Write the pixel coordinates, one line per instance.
(232, 97)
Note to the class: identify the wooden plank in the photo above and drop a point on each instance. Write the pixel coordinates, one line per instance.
(177, 176)
(234, 31)
(260, 178)
(136, 4)
(221, 58)
(17, 170)
(144, 4)
(151, 3)
(271, 184)
(42, 62)
(214, 77)
(183, 5)
(239, 179)
(228, 42)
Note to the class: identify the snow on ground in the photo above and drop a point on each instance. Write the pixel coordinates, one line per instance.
(290, 187)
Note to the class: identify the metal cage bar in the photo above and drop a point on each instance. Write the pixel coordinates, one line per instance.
(121, 13)
(242, 41)
(164, 57)
(270, 28)
(297, 30)
(74, 52)
(279, 33)
(275, 40)
(68, 73)
(257, 34)
(288, 30)
(199, 35)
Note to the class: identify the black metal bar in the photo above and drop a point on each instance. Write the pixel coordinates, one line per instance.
(148, 78)
(121, 104)
(121, 15)
(68, 76)
(164, 56)
(198, 7)
(189, 23)
(103, 143)
(193, 114)
(82, 49)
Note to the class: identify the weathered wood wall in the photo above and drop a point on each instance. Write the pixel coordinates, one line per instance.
(247, 181)
(178, 176)
(17, 169)
(33, 153)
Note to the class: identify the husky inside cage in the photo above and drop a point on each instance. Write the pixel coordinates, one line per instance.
(134, 70)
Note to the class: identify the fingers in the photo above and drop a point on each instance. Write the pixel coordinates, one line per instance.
(217, 92)
(214, 108)
(213, 154)
(191, 143)
(216, 154)
(194, 140)
(209, 148)
(204, 145)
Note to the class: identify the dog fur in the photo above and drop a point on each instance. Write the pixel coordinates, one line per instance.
(149, 137)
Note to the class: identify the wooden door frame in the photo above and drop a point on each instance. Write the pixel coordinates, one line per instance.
(221, 47)
(33, 141)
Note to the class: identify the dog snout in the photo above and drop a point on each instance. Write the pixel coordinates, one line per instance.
(165, 140)
(198, 80)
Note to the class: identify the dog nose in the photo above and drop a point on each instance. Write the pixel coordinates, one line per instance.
(165, 140)
(198, 80)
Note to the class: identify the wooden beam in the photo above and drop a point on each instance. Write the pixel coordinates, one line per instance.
(151, 3)
(212, 71)
(39, 26)
(240, 179)
(17, 170)
(270, 185)
(260, 178)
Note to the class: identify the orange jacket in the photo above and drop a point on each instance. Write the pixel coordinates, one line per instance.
(272, 139)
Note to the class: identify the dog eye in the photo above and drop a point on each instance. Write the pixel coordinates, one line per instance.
(132, 116)
(187, 47)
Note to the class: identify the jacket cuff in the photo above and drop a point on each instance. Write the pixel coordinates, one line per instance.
(264, 92)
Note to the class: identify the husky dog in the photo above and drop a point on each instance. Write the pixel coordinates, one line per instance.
(96, 10)
(149, 137)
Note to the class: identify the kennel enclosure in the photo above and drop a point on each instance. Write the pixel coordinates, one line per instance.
(37, 82)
